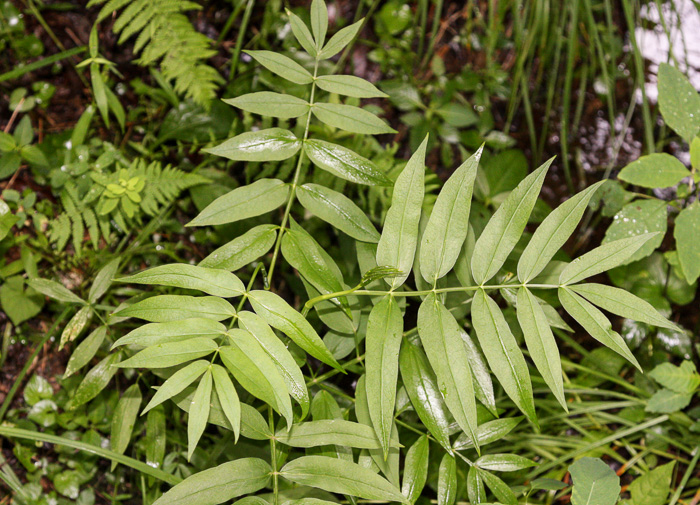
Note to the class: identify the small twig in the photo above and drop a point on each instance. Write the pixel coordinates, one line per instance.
(14, 116)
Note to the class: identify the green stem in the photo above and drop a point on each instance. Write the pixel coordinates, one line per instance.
(239, 39)
(20, 378)
(686, 477)
(273, 458)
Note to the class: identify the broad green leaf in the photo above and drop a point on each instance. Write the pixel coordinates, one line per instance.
(171, 354)
(165, 308)
(623, 303)
(267, 103)
(695, 154)
(243, 250)
(212, 281)
(340, 39)
(679, 102)
(595, 323)
(488, 432)
(553, 233)
(500, 489)
(540, 342)
(423, 391)
(350, 118)
(687, 233)
(302, 34)
(666, 401)
(256, 372)
(638, 218)
(415, 471)
(272, 144)
(441, 337)
(199, 412)
(95, 381)
(475, 486)
(594, 483)
(319, 21)
(54, 290)
(278, 314)
(156, 437)
(329, 432)
(603, 258)
(344, 163)
(658, 170)
(228, 398)
(260, 197)
(324, 407)
(502, 352)
(219, 484)
(340, 476)
(449, 222)
(382, 345)
(682, 379)
(547, 484)
(349, 85)
(397, 245)
(76, 325)
(653, 487)
(338, 210)
(280, 355)
(503, 462)
(103, 280)
(483, 385)
(177, 382)
(282, 65)
(506, 226)
(124, 419)
(173, 331)
(447, 481)
(85, 351)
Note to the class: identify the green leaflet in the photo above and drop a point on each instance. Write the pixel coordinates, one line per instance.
(228, 398)
(330, 432)
(506, 226)
(171, 353)
(338, 210)
(349, 85)
(415, 471)
(350, 118)
(503, 462)
(679, 102)
(165, 308)
(124, 419)
(172, 331)
(282, 65)
(500, 489)
(85, 351)
(447, 481)
(657, 170)
(344, 163)
(341, 39)
(242, 250)
(502, 352)
(340, 476)
(623, 303)
(278, 314)
(319, 21)
(219, 484)
(595, 323)
(95, 381)
(422, 388)
(277, 351)
(76, 325)
(653, 487)
(177, 382)
(54, 290)
(488, 432)
(199, 412)
(103, 280)
(324, 407)
(682, 379)
(666, 401)
(594, 482)
(441, 337)
(540, 342)
(271, 144)
(267, 103)
(483, 385)
(212, 281)
(156, 437)
(260, 197)
(397, 245)
(475, 486)
(686, 232)
(553, 233)
(382, 345)
(302, 34)
(256, 372)
(602, 258)
(449, 222)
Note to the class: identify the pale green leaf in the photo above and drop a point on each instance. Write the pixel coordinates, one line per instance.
(173, 331)
(447, 481)
(177, 382)
(349, 85)
(666, 401)
(76, 325)
(272, 144)
(124, 419)
(350, 118)
(282, 65)
(594, 483)
(228, 398)
(164, 308)
(103, 280)
(340, 40)
(503, 462)
(687, 235)
(85, 351)
(260, 197)
(212, 281)
(319, 21)
(657, 170)
(95, 381)
(199, 412)
(397, 245)
(638, 218)
(171, 354)
(653, 487)
(344, 163)
(488, 432)
(506, 226)
(302, 34)
(54, 290)
(243, 250)
(682, 379)
(329, 432)
(679, 102)
(267, 103)
(415, 471)
(483, 385)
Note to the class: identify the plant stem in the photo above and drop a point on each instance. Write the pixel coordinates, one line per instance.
(273, 458)
(239, 39)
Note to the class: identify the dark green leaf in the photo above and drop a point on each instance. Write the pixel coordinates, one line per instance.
(447, 481)
(344, 163)
(350, 118)
(267, 103)
(165, 308)
(282, 65)
(272, 144)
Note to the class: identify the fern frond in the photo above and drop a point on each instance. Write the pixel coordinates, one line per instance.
(164, 185)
